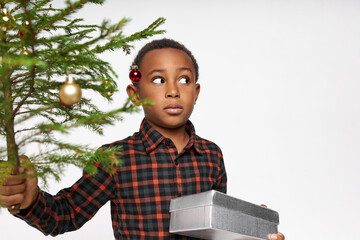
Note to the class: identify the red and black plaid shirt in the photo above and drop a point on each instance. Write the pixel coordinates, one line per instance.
(152, 173)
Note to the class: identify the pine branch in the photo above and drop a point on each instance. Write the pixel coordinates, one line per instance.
(119, 40)
(33, 68)
(29, 84)
(70, 9)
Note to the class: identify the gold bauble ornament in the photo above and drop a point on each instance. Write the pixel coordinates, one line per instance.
(69, 93)
(25, 51)
(107, 86)
(6, 17)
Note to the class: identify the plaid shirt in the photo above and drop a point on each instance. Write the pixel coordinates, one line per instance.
(152, 173)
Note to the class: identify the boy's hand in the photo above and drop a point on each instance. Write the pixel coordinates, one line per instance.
(19, 190)
(275, 236)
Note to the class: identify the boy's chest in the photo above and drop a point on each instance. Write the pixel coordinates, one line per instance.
(164, 174)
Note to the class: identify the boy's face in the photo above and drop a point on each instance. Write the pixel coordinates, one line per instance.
(168, 78)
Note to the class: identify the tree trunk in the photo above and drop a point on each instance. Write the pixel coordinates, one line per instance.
(12, 149)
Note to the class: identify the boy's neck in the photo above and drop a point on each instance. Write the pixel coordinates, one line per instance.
(178, 135)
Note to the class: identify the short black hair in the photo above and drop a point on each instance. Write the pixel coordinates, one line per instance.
(165, 43)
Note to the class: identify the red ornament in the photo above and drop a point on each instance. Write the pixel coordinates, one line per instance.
(20, 34)
(135, 74)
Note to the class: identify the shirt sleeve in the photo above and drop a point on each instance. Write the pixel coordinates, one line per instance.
(222, 178)
(72, 207)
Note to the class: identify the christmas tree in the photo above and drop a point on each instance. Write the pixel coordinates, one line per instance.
(41, 46)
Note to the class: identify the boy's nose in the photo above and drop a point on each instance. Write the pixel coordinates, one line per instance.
(172, 90)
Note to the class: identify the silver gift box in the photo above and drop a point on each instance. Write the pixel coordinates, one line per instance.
(215, 215)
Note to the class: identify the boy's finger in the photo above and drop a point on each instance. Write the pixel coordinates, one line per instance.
(273, 236)
(23, 158)
(9, 201)
(12, 190)
(276, 236)
(281, 236)
(14, 180)
(14, 209)
(30, 171)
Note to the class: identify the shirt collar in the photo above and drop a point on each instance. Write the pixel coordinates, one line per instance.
(152, 138)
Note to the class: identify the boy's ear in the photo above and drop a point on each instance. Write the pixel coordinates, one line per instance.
(132, 90)
(197, 91)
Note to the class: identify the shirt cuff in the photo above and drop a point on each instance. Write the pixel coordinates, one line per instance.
(31, 214)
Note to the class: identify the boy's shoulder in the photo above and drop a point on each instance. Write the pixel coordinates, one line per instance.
(203, 143)
(200, 142)
(135, 139)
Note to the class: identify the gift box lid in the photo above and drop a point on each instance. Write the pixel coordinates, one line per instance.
(216, 198)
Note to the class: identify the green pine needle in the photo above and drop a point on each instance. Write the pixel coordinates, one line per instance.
(33, 67)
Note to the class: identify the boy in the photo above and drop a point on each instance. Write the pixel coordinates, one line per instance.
(164, 160)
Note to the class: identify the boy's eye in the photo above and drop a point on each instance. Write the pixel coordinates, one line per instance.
(158, 80)
(184, 80)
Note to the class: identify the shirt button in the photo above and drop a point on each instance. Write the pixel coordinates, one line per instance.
(176, 162)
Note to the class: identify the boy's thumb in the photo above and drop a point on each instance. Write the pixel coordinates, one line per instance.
(24, 159)
(26, 165)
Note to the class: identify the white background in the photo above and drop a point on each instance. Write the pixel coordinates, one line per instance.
(280, 85)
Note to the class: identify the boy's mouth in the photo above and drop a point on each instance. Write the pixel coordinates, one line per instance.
(173, 108)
